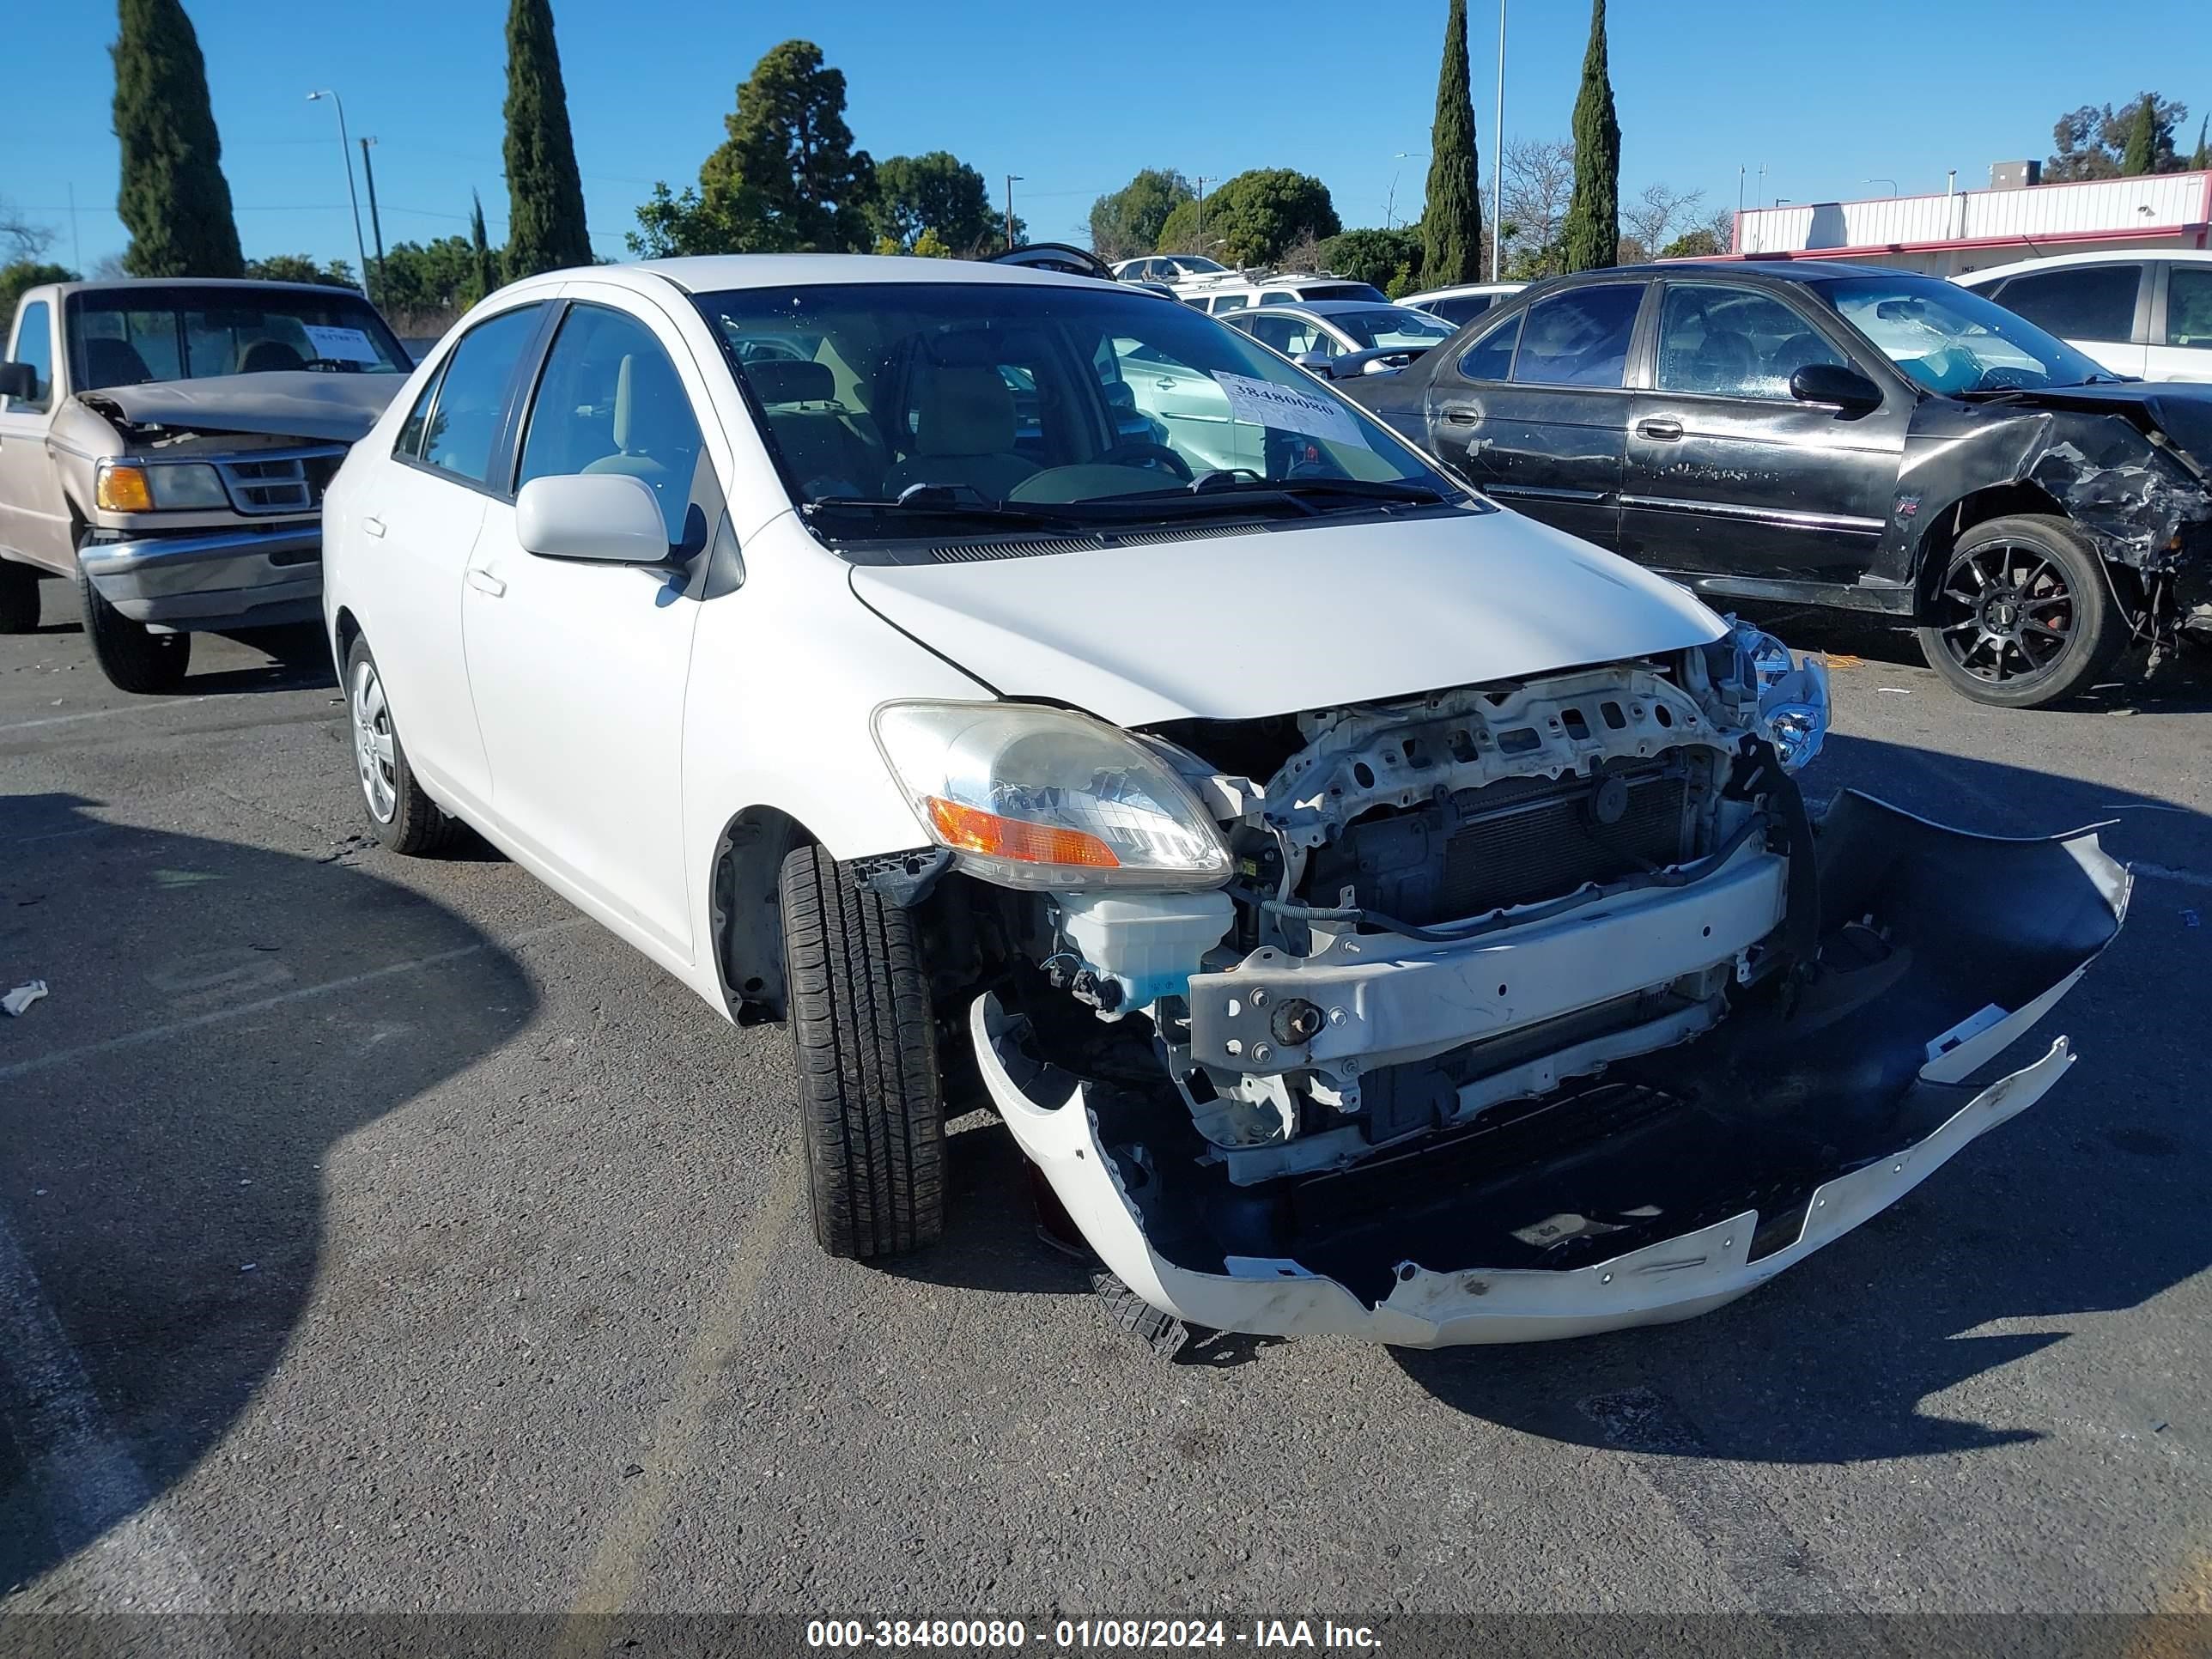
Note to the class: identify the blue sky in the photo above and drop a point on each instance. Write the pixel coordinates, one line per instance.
(1075, 97)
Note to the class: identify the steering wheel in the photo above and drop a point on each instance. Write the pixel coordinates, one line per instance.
(1142, 451)
(2006, 377)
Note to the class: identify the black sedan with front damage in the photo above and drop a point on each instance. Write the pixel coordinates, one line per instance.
(1816, 433)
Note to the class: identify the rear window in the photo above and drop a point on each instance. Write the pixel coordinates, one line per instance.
(1342, 291)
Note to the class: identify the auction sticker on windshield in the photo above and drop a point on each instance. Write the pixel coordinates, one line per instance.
(1286, 409)
(341, 345)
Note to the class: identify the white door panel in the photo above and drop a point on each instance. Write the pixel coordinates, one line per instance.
(412, 575)
(2120, 357)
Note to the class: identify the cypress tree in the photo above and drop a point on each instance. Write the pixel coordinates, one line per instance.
(174, 198)
(2142, 153)
(1590, 238)
(486, 262)
(1451, 211)
(2203, 158)
(545, 198)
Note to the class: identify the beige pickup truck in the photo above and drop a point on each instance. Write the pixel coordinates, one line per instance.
(164, 445)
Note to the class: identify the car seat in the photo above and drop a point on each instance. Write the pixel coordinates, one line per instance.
(656, 438)
(964, 433)
(114, 362)
(263, 356)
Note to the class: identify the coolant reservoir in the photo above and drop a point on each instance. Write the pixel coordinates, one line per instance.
(1150, 943)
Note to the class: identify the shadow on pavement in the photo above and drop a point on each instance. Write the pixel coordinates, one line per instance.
(220, 1017)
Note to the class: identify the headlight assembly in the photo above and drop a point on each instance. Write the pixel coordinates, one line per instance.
(129, 486)
(1038, 797)
(1793, 694)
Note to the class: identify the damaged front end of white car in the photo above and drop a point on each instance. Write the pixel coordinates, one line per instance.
(1506, 1012)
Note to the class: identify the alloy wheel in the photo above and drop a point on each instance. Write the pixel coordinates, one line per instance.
(2006, 613)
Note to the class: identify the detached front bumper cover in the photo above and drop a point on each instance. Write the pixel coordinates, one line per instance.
(1685, 1180)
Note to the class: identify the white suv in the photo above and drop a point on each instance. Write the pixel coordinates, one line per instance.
(2148, 314)
(1373, 912)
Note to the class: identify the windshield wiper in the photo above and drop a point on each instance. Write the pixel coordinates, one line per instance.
(1237, 490)
(947, 507)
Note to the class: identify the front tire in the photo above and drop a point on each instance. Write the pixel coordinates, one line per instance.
(132, 655)
(871, 1096)
(19, 598)
(404, 817)
(2023, 614)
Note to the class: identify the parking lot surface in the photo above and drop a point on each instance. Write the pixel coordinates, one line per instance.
(379, 1235)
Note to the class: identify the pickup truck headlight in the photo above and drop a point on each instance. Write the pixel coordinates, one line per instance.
(127, 487)
(1038, 797)
(1793, 694)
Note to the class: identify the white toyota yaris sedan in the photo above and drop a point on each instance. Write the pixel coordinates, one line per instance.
(1371, 911)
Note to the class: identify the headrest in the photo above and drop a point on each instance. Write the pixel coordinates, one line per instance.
(963, 412)
(785, 380)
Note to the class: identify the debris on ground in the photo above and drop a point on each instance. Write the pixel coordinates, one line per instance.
(23, 996)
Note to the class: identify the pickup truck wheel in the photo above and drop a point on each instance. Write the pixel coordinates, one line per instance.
(2023, 614)
(132, 655)
(406, 819)
(18, 598)
(870, 1096)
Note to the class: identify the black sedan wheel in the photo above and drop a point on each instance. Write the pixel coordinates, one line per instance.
(2023, 614)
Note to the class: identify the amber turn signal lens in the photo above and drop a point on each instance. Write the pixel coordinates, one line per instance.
(970, 828)
(123, 489)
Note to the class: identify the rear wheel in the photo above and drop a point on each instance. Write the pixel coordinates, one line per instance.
(19, 598)
(406, 819)
(132, 655)
(870, 1097)
(2023, 614)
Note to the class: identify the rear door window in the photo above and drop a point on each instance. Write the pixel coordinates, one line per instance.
(1491, 358)
(2090, 302)
(1580, 337)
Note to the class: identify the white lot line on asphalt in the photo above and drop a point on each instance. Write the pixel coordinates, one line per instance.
(102, 713)
(134, 1558)
(178, 1028)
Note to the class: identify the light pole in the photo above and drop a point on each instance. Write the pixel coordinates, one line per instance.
(1892, 183)
(345, 154)
(1202, 181)
(1498, 154)
(375, 225)
(1012, 178)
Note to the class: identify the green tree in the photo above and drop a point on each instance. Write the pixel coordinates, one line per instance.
(787, 179)
(1590, 239)
(938, 192)
(302, 268)
(1129, 222)
(483, 263)
(2092, 142)
(174, 197)
(1255, 217)
(428, 277)
(1451, 211)
(18, 274)
(1375, 256)
(2203, 158)
(1699, 244)
(545, 198)
(2141, 154)
(670, 226)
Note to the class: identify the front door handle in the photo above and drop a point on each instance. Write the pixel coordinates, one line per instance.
(1665, 431)
(484, 582)
(372, 526)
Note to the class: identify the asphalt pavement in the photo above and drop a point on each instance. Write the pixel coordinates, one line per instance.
(380, 1236)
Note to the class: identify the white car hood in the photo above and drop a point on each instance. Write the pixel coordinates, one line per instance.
(288, 402)
(1239, 626)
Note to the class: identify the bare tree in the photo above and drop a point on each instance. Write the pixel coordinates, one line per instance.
(1649, 221)
(1540, 181)
(21, 239)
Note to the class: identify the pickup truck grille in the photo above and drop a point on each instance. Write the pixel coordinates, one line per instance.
(280, 481)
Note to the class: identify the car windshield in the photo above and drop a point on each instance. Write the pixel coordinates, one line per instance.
(1392, 326)
(892, 409)
(1951, 340)
(130, 335)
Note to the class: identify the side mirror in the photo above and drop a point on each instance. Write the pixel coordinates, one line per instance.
(1835, 383)
(1315, 362)
(18, 380)
(609, 518)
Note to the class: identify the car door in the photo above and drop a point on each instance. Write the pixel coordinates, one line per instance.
(35, 515)
(1536, 412)
(2181, 319)
(418, 522)
(1727, 473)
(578, 669)
(2101, 310)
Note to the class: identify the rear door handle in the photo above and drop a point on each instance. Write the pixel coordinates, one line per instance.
(1665, 431)
(372, 527)
(1462, 414)
(484, 582)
